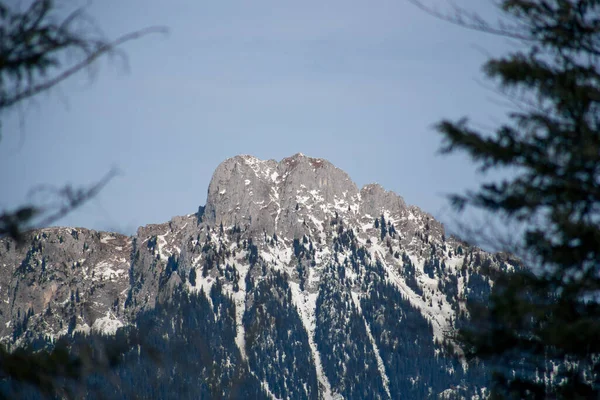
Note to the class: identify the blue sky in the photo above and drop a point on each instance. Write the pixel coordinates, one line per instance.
(357, 83)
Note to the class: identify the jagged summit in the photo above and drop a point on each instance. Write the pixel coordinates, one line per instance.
(270, 196)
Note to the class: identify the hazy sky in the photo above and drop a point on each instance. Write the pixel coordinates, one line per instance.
(359, 83)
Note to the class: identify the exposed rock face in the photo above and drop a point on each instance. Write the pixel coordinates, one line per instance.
(61, 273)
(262, 196)
(292, 243)
(266, 196)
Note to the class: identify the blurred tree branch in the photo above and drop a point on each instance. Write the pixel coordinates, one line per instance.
(33, 49)
(39, 49)
(540, 328)
(65, 200)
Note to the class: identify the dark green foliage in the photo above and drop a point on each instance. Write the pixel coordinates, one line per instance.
(30, 373)
(409, 274)
(298, 248)
(383, 227)
(391, 229)
(192, 277)
(72, 324)
(252, 255)
(542, 327)
(432, 267)
(152, 243)
(341, 337)
(387, 312)
(199, 214)
(277, 343)
(449, 287)
(186, 350)
(171, 267)
(192, 352)
(302, 275)
(478, 288)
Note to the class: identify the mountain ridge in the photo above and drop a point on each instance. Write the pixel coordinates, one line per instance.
(294, 241)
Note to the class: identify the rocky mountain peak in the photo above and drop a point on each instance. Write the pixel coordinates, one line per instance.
(301, 159)
(265, 196)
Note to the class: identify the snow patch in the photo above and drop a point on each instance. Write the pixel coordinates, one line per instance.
(107, 325)
(239, 298)
(274, 176)
(106, 239)
(104, 270)
(84, 328)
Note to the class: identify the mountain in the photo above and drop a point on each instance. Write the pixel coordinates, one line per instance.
(289, 283)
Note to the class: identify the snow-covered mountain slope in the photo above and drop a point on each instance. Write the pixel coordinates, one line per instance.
(332, 291)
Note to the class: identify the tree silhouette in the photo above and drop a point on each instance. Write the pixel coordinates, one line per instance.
(541, 327)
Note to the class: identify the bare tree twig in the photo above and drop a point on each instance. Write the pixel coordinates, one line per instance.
(472, 21)
(75, 198)
(103, 49)
(15, 223)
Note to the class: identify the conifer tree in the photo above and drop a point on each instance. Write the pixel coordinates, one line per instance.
(540, 331)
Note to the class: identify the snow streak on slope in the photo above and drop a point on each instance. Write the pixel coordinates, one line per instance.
(306, 304)
(240, 308)
(438, 316)
(265, 386)
(439, 320)
(380, 365)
